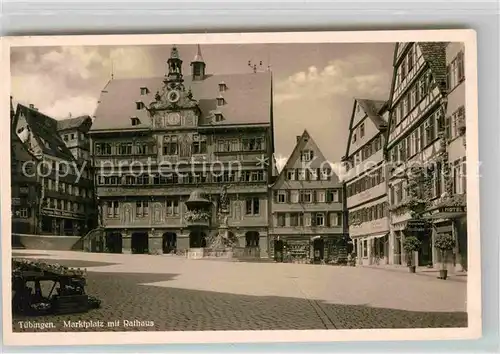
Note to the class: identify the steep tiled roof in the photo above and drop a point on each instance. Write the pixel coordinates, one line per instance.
(72, 123)
(247, 100)
(304, 139)
(434, 54)
(44, 129)
(373, 109)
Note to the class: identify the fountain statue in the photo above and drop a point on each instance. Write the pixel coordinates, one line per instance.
(222, 238)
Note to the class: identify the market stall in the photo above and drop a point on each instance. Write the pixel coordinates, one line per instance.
(41, 288)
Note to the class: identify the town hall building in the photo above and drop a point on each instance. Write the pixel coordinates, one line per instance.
(155, 141)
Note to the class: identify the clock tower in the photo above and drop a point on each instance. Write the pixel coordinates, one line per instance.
(174, 106)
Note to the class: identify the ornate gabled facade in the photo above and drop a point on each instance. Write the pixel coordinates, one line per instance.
(418, 147)
(157, 141)
(65, 197)
(307, 209)
(365, 182)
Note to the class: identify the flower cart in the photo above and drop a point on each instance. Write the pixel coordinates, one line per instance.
(64, 294)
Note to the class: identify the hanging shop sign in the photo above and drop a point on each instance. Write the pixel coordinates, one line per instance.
(417, 225)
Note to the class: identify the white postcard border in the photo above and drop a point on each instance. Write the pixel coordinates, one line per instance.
(473, 331)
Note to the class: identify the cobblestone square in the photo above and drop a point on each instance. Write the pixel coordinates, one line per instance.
(168, 293)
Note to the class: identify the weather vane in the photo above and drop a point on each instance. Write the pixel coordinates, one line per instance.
(257, 67)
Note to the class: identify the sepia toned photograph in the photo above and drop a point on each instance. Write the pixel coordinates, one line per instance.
(194, 186)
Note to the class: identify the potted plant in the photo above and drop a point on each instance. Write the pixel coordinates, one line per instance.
(411, 244)
(444, 243)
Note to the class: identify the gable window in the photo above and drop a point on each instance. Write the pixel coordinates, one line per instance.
(139, 105)
(290, 174)
(222, 87)
(301, 174)
(170, 145)
(313, 174)
(325, 174)
(306, 155)
(144, 91)
(65, 137)
(135, 121)
(141, 209)
(354, 138)
(252, 206)
(362, 130)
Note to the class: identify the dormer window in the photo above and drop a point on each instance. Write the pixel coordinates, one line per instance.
(222, 86)
(139, 105)
(135, 121)
(144, 91)
(220, 101)
(219, 117)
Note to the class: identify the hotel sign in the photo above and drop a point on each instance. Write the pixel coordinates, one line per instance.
(452, 209)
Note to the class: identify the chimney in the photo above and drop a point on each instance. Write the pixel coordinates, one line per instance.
(32, 106)
(298, 138)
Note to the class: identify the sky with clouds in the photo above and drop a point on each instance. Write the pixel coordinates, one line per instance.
(314, 84)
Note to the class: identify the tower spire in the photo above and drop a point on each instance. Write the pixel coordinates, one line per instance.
(198, 66)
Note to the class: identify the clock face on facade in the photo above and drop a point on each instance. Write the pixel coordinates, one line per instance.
(173, 118)
(173, 96)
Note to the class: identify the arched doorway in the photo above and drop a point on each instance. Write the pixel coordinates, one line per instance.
(140, 242)
(114, 242)
(197, 239)
(169, 240)
(252, 239)
(318, 249)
